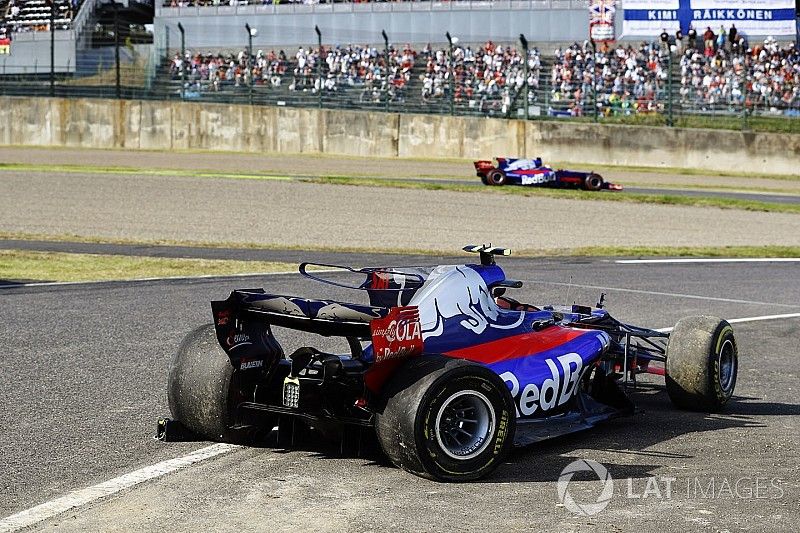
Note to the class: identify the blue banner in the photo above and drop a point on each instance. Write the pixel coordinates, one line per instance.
(752, 17)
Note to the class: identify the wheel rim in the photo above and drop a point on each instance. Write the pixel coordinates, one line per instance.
(727, 365)
(497, 178)
(464, 424)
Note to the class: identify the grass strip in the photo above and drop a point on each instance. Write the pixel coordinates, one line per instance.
(468, 170)
(587, 251)
(16, 265)
(669, 187)
(717, 122)
(663, 199)
(90, 169)
(741, 252)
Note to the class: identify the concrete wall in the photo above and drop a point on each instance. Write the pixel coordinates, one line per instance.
(30, 53)
(202, 126)
(223, 27)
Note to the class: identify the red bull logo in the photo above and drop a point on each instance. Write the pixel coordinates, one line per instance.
(397, 335)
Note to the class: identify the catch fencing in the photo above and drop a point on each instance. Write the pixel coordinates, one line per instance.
(535, 89)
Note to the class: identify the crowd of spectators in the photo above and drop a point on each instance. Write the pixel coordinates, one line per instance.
(628, 79)
(624, 79)
(765, 75)
(488, 76)
(309, 70)
(713, 71)
(34, 15)
(215, 71)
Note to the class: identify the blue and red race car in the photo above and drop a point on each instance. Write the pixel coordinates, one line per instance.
(445, 369)
(531, 172)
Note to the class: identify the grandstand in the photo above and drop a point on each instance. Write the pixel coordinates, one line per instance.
(35, 15)
(199, 54)
(489, 78)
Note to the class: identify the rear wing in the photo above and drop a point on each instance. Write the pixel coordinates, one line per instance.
(243, 323)
(324, 317)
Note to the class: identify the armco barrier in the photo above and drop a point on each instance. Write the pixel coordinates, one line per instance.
(96, 123)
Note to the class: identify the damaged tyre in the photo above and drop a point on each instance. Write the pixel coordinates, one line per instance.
(702, 363)
(204, 388)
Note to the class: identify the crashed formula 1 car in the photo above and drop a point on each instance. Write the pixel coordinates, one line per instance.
(447, 370)
(531, 172)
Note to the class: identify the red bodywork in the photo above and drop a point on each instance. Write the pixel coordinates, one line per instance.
(483, 167)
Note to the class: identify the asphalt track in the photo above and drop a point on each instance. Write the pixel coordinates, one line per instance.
(83, 381)
(778, 190)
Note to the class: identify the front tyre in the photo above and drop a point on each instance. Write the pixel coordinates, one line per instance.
(702, 363)
(446, 419)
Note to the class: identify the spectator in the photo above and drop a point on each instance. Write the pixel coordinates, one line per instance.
(664, 39)
(721, 38)
(708, 39)
(708, 42)
(732, 36)
(679, 41)
(692, 35)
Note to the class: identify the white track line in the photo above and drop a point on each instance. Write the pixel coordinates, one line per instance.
(748, 319)
(710, 260)
(82, 497)
(657, 293)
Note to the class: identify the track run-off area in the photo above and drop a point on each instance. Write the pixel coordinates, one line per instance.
(84, 371)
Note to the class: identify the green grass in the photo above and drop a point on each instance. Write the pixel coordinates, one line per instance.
(58, 266)
(94, 169)
(664, 199)
(468, 169)
(588, 251)
(668, 187)
(216, 245)
(670, 251)
(716, 122)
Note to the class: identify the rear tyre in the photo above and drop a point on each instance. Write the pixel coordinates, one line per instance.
(593, 182)
(485, 180)
(496, 177)
(204, 388)
(702, 363)
(446, 419)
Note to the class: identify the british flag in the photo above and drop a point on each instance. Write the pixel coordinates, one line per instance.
(602, 11)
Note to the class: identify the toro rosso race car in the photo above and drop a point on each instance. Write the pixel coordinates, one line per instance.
(447, 370)
(511, 171)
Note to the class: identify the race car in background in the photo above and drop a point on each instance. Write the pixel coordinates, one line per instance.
(531, 172)
(445, 369)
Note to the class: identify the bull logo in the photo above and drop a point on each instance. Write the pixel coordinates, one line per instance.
(457, 291)
(337, 311)
(280, 304)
